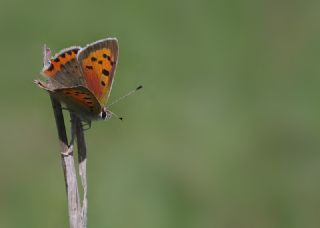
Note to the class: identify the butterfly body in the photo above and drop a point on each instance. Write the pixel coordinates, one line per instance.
(82, 78)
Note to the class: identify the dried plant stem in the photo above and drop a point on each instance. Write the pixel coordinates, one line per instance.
(82, 159)
(77, 213)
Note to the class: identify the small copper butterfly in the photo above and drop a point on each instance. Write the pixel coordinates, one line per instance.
(82, 78)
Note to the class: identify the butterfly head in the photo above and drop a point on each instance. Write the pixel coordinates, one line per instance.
(105, 114)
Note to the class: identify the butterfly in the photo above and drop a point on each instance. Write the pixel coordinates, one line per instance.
(82, 78)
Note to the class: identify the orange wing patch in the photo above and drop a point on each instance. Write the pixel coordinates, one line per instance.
(58, 61)
(98, 68)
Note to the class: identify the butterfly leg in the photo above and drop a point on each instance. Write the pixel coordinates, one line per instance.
(86, 125)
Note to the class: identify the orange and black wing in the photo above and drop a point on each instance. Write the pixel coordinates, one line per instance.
(98, 62)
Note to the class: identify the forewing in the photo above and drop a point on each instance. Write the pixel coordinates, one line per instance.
(98, 62)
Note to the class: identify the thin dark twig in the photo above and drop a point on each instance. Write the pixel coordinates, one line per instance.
(63, 140)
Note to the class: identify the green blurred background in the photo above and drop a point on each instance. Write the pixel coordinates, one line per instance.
(225, 133)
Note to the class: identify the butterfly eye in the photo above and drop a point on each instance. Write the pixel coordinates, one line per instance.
(103, 114)
(106, 114)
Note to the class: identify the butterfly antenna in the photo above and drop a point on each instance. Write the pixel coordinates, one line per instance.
(128, 94)
(119, 117)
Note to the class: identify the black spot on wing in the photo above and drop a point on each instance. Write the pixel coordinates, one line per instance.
(105, 72)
